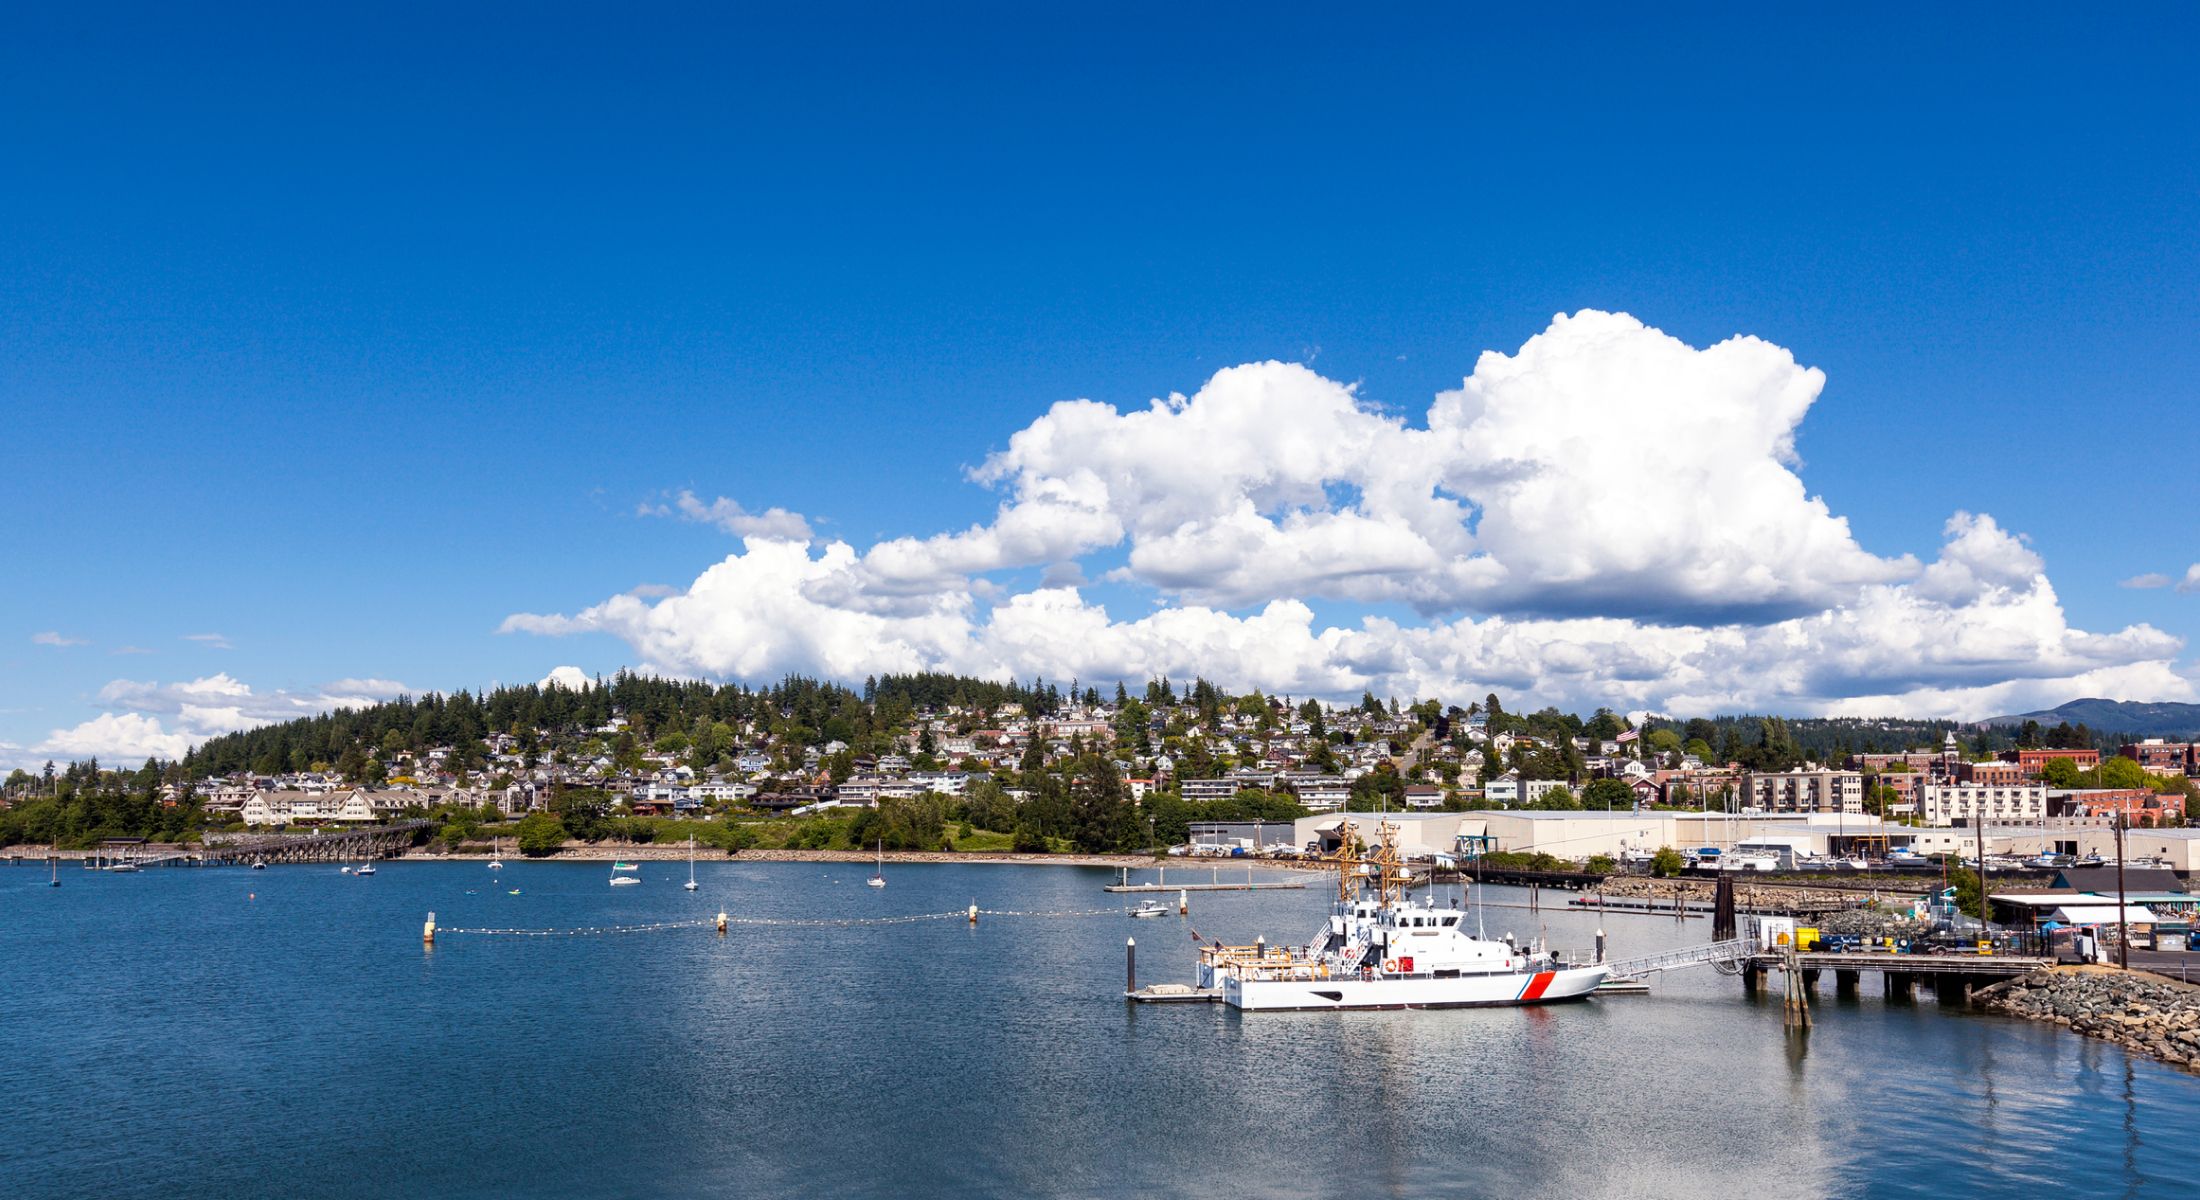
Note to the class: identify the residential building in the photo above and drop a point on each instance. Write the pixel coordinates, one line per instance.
(2159, 756)
(1532, 791)
(1320, 793)
(2006, 804)
(303, 808)
(1803, 791)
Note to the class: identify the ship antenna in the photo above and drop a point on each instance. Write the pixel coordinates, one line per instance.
(1479, 934)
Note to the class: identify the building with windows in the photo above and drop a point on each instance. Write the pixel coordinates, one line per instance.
(1945, 804)
(1803, 791)
(2031, 762)
(2160, 757)
(1320, 793)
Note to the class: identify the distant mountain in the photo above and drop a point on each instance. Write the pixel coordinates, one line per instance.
(2118, 716)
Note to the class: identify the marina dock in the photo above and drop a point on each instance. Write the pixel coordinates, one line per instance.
(1174, 993)
(1284, 885)
(1214, 883)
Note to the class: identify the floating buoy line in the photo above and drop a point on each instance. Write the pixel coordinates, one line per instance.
(722, 921)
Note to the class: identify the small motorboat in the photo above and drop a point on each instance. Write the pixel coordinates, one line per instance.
(364, 869)
(259, 864)
(1151, 908)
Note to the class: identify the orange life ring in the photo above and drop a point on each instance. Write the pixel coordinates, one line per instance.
(1390, 966)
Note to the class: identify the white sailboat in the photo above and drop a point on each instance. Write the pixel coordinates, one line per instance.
(496, 854)
(624, 880)
(691, 863)
(878, 876)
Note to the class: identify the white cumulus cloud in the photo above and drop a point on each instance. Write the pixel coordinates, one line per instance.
(163, 720)
(54, 638)
(126, 738)
(1607, 516)
(1533, 488)
(569, 678)
(730, 516)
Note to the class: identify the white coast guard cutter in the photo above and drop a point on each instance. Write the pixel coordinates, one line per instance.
(1381, 949)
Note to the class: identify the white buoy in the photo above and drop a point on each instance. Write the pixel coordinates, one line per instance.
(427, 932)
(973, 912)
(1183, 902)
(721, 922)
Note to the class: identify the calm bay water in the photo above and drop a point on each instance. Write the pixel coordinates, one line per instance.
(164, 1034)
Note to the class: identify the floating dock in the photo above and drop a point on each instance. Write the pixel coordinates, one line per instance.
(1278, 886)
(1215, 883)
(1174, 993)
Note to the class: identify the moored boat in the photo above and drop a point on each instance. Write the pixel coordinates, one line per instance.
(1380, 948)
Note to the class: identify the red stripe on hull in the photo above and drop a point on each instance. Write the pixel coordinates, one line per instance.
(1537, 985)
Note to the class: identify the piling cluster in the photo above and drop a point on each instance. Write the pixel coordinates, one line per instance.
(2144, 1013)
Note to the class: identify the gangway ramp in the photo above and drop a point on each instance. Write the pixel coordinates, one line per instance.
(1732, 950)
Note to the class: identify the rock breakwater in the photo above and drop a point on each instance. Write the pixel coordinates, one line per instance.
(2144, 1013)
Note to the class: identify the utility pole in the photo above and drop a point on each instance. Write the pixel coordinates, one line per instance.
(2123, 931)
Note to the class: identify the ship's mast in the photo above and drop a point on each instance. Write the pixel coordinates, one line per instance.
(1388, 872)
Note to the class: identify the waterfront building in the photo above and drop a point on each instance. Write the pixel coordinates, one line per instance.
(351, 807)
(1944, 804)
(1803, 791)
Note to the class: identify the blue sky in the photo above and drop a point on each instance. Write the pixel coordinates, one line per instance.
(348, 336)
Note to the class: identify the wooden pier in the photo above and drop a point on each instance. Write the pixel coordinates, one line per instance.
(333, 845)
(1953, 977)
(336, 845)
